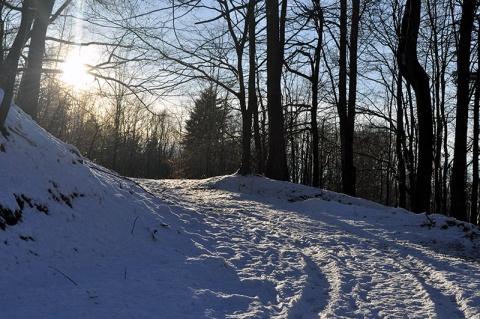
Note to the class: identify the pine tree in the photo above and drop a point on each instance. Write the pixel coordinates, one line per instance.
(207, 147)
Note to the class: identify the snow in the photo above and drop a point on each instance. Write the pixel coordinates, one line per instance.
(91, 244)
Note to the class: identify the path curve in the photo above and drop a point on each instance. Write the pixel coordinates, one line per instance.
(315, 262)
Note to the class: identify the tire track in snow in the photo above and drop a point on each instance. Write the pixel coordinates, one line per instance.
(322, 266)
(449, 301)
(355, 290)
(360, 275)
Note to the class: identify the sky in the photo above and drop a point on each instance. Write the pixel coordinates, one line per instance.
(93, 244)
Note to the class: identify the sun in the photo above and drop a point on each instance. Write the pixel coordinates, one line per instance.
(75, 73)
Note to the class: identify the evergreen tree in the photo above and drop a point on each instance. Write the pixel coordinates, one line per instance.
(208, 148)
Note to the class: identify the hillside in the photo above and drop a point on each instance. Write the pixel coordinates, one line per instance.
(79, 241)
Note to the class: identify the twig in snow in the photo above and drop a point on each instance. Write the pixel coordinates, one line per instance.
(64, 275)
(431, 221)
(430, 224)
(133, 227)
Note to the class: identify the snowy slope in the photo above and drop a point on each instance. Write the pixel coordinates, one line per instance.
(91, 244)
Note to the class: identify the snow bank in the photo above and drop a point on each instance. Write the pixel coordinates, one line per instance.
(88, 243)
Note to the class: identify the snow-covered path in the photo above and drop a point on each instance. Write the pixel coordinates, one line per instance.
(88, 243)
(305, 255)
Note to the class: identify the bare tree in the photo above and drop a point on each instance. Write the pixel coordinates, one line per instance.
(277, 159)
(9, 66)
(415, 75)
(30, 86)
(458, 185)
(476, 140)
(310, 50)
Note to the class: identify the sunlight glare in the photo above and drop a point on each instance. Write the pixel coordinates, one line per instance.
(75, 73)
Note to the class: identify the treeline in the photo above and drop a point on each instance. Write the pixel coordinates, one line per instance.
(120, 133)
(373, 99)
(115, 131)
(136, 142)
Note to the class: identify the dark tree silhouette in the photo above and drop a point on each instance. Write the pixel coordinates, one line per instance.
(9, 67)
(415, 75)
(30, 85)
(459, 169)
(277, 167)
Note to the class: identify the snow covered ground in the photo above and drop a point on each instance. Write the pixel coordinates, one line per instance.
(91, 244)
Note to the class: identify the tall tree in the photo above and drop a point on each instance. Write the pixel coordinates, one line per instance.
(346, 101)
(30, 85)
(475, 146)
(458, 184)
(349, 168)
(246, 35)
(415, 75)
(9, 67)
(205, 144)
(310, 50)
(277, 158)
(252, 87)
(440, 51)
(399, 147)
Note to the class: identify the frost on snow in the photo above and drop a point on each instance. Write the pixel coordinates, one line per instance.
(79, 241)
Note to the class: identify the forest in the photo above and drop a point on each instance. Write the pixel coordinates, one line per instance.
(374, 99)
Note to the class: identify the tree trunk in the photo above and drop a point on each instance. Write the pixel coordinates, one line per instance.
(277, 158)
(259, 146)
(475, 151)
(319, 21)
(247, 109)
(30, 86)
(458, 184)
(352, 98)
(414, 73)
(307, 165)
(252, 89)
(9, 67)
(294, 158)
(475, 173)
(315, 139)
(400, 142)
(342, 90)
(411, 160)
(2, 32)
(346, 108)
(246, 140)
(246, 124)
(253, 103)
